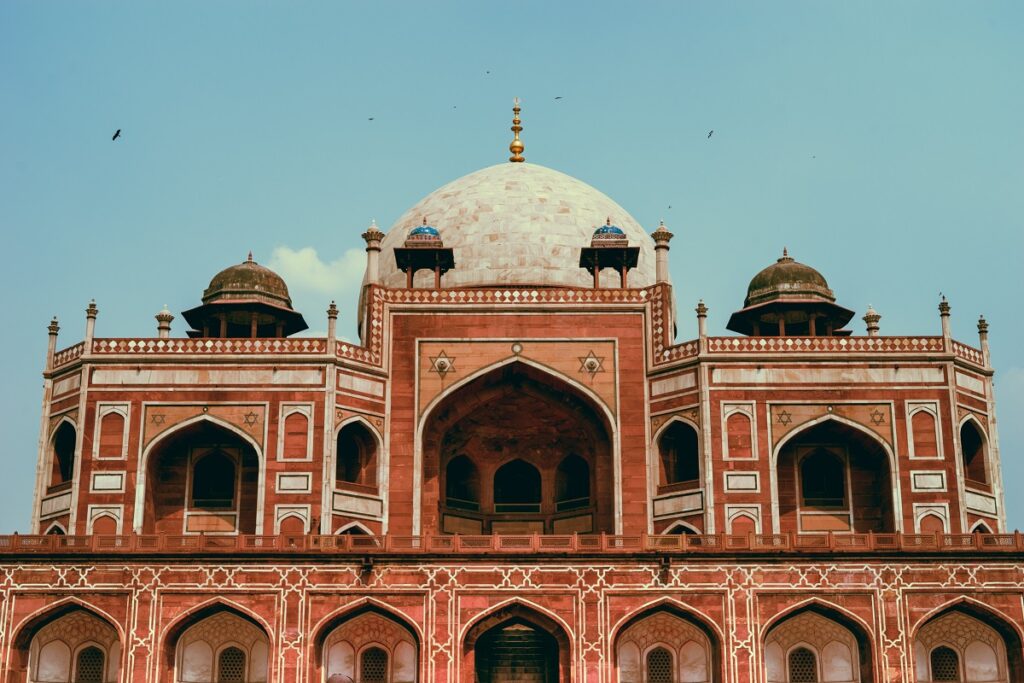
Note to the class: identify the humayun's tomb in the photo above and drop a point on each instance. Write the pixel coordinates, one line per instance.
(516, 475)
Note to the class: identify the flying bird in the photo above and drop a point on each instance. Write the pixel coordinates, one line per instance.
(370, 119)
(559, 97)
(710, 133)
(117, 134)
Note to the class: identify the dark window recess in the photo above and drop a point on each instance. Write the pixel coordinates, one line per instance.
(823, 480)
(517, 487)
(213, 482)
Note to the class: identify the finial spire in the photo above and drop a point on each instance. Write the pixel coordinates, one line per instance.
(517, 146)
(249, 258)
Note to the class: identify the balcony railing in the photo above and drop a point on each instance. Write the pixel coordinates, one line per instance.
(589, 544)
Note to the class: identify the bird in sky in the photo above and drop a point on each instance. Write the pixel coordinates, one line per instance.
(370, 119)
(710, 133)
(117, 134)
(559, 97)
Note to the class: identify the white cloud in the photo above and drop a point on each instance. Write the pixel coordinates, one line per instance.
(304, 270)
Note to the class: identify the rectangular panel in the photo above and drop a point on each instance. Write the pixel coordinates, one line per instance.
(581, 524)
(684, 502)
(210, 522)
(970, 383)
(66, 384)
(292, 482)
(514, 528)
(824, 522)
(928, 481)
(462, 525)
(112, 482)
(671, 385)
(979, 502)
(207, 376)
(827, 375)
(56, 505)
(346, 503)
(360, 384)
(741, 481)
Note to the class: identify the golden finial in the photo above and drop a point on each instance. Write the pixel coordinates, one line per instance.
(517, 145)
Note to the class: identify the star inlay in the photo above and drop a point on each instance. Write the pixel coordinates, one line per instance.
(157, 419)
(442, 364)
(784, 418)
(877, 417)
(591, 364)
(251, 419)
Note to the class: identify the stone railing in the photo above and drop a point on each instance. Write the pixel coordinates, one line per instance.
(176, 347)
(968, 353)
(536, 543)
(68, 355)
(517, 295)
(825, 344)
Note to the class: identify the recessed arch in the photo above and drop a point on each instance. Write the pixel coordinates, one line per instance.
(327, 625)
(171, 635)
(1008, 630)
(476, 636)
(980, 527)
(370, 465)
(62, 454)
(681, 630)
(975, 608)
(56, 529)
(681, 527)
(354, 528)
(858, 630)
(974, 451)
(175, 431)
(890, 503)
(35, 623)
(511, 411)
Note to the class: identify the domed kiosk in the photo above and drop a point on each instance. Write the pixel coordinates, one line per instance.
(245, 300)
(789, 298)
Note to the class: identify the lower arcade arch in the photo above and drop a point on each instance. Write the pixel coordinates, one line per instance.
(967, 643)
(816, 644)
(517, 450)
(666, 644)
(69, 644)
(217, 644)
(369, 645)
(516, 644)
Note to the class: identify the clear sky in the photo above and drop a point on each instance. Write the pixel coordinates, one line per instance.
(881, 142)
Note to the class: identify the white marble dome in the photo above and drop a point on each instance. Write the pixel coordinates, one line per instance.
(517, 224)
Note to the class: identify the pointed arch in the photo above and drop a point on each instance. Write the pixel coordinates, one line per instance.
(25, 631)
(376, 458)
(62, 453)
(981, 527)
(327, 625)
(974, 451)
(681, 527)
(892, 464)
(674, 626)
(858, 628)
(58, 529)
(355, 527)
(1009, 629)
(516, 611)
(170, 635)
(673, 606)
(142, 476)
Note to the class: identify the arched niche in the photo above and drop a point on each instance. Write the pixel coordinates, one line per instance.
(816, 643)
(834, 477)
(516, 413)
(370, 644)
(67, 645)
(974, 454)
(678, 447)
(201, 478)
(512, 637)
(689, 651)
(62, 455)
(969, 642)
(357, 455)
(217, 643)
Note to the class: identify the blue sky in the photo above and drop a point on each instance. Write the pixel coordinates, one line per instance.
(880, 142)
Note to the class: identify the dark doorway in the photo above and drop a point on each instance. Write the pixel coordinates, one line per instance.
(516, 652)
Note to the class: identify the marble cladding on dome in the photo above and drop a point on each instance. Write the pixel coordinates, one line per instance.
(517, 224)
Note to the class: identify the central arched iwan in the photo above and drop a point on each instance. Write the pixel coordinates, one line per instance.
(517, 450)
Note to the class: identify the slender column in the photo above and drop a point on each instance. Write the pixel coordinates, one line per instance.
(944, 315)
(163, 323)
(811, 331)
(437, 277)
(661, 239)
(983, 339)
(90, 325)
(408, 278)
(782, 327)
(51, 345)
(373, 237)
(332, 328)
(702, 325)
(223, 326)
(871, 318)
(254, 323)
(625, 270)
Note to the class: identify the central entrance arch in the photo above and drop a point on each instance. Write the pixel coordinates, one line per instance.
(517, 450)
(516, 644)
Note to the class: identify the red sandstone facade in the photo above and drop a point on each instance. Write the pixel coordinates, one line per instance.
(509, 482)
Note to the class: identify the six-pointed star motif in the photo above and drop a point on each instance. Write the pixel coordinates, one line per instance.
(251, 418)
(784, 417)
(442, 364)
(591, 364)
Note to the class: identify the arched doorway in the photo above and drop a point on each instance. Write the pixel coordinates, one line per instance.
(203, 478)
(69, 645)
(516, 644)
(817, 644)
(833, 477)
(514, 451)
(967, 643)
(218, 645)
(369, 645)
(666, 645)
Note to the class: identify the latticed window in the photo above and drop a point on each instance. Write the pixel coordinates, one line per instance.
(659, 666)
(89, 665)
(373, 666)
(231, 666)
(803, 666)
(945, 664)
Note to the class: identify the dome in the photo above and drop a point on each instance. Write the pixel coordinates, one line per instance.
(248, 281)
(517, 224)
(609, 229)
(787, 278)
(424, 231)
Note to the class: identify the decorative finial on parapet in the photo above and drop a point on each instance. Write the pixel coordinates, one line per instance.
(944, 315)
(249, 257)
(982, 326)
(983, 338)
(372, 237)
(51, 347)
(332, 311)
(91, 310)
(871, 318)
(517, 146)
(54, 327)
(163, 323)
(702, 319)
(332, 328)
(661, 238)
